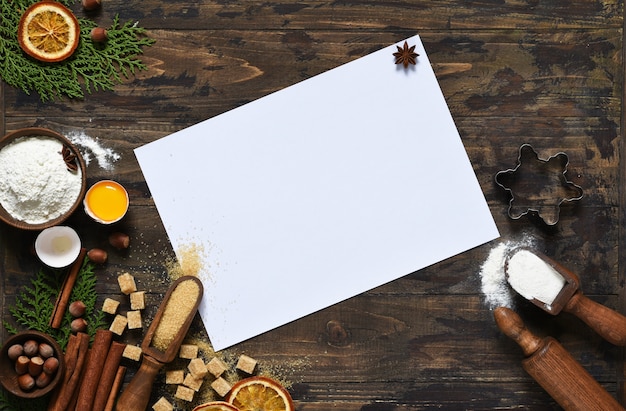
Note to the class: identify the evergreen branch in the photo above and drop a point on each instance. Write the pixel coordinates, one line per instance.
(93, 67)
(35, 304)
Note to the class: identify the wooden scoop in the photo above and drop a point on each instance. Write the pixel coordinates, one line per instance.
(571, 386)
(137, 394)
(610, 324)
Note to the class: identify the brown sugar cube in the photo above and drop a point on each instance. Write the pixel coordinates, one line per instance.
(175, 377)
(246, 364)
(138, 300)
(162, 405)
(134, 319)
(110, 306)
(127, 283)
(221, 386)
(184, 393)
(216, 367)
(119, 324)
(132, 352)
(197, 368)
(193, 382)
(188, 351)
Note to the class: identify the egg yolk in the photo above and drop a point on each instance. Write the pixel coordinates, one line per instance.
(107, 200)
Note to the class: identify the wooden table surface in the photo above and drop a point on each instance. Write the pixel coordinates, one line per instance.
(546, 73)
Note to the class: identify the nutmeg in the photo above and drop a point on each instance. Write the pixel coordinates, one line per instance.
(119, 240)
(97, 255)
(78, 325)
(99, 35)
(91, 4)
(26, 382)
(77, 308)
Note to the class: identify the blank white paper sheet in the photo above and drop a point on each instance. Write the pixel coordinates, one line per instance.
(317, 193)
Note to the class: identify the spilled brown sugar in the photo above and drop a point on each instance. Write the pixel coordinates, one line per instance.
(190, 262)
(180, 304)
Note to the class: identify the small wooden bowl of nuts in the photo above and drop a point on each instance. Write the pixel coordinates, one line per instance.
(31, 364)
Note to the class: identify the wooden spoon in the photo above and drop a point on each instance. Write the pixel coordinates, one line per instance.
(137, 394)
(608, 323)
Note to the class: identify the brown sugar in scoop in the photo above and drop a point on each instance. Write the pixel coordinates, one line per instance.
(163, 340)
(182, 303)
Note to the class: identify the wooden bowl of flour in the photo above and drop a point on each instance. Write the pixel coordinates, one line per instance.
(42, 178)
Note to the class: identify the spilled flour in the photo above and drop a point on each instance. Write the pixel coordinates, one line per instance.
(92, 149)
(494, 286)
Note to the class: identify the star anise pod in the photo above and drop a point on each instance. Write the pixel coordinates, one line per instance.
(69, 157)
(406, 55)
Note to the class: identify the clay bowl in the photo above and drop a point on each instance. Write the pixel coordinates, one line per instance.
(8, 376)
(6, 217)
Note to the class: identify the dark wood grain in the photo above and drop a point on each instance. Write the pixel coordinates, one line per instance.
(550, 74)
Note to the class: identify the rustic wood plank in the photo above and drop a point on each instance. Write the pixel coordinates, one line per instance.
(548, 74)
(365, 15)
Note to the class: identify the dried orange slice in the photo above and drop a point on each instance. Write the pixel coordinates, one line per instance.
(260, 394)
(216, 406)
(48, 31)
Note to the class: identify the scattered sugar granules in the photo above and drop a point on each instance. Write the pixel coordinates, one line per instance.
(93, 149)
(190, 261)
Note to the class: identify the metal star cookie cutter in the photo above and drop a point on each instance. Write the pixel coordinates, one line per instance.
(538, 186)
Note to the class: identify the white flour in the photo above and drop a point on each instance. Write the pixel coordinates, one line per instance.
(533, 278)
(493, 281)
(494, 286)
(92, 149)
(35, 184)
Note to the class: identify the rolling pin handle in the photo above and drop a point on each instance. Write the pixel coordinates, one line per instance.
(609, 324)
(137, 394)
(513, 327)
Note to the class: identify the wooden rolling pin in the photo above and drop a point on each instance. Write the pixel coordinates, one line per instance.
(571, 386)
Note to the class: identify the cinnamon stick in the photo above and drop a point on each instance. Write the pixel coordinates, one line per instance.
(72, 403)
(66, 290)
(70, 357)
(95, 364)
(75, 355)
(115, 388)
(111, 364)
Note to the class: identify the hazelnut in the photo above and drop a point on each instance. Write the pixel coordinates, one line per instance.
(91, 4)
(43, 380)
(97, 255)
(77, 309)
(26, 382)
(15, 351)
(35, 366)
(51, 365)
(46, 350)
(99, 35)
(119, 240)
(31, 348)
(21, 365)
(78, 325)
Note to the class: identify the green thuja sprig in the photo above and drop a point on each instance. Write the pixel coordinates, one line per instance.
(35, 303)
(92, 67)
